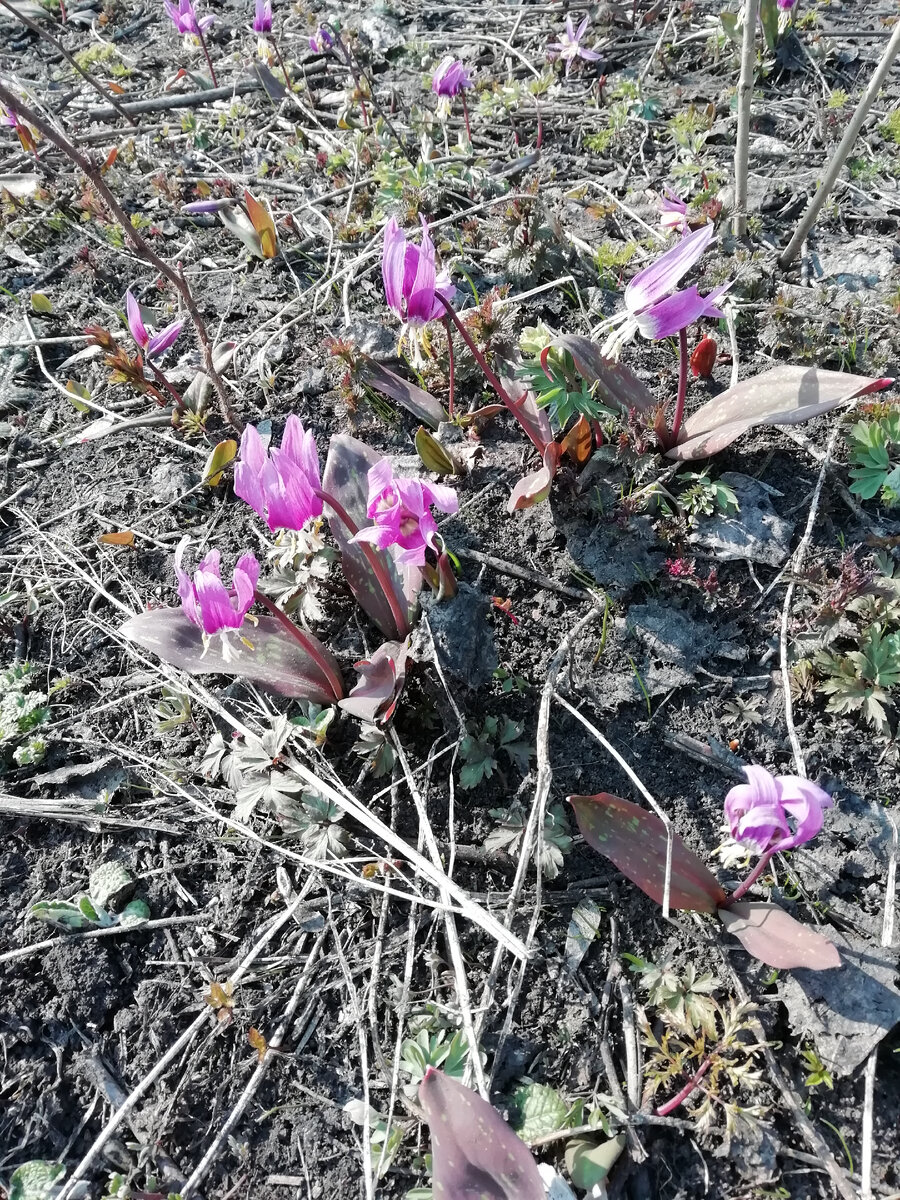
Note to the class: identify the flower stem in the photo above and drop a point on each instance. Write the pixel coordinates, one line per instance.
(449, 329)
(486, 370)
(398, 611)
(212, 72)
(287, 79)
(310, 645)
(160, 378)
(670, 1105)
(682, 384)
(466, 118)
(753, 876)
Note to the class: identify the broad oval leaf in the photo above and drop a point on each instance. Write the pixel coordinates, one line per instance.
(635, 840)
(381, 680)
(277, 661)
(617, 385)
(775, 938)
(262, 222)
(786, 395)
(434, 455)
(475, 1154)
(346, 478)
(416, 400)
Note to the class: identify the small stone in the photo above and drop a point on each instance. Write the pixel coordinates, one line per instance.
(755, 532)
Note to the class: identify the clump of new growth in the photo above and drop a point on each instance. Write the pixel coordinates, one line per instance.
(478, 751)
(106, 902)
(24, 709)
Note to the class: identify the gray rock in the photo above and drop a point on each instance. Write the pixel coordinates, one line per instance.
(170, 481)
(756, 532)
(372, 337)
(860, 264)
(463, 637)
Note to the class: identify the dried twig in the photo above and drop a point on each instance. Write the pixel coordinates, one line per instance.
(745, 98)
(843, 151)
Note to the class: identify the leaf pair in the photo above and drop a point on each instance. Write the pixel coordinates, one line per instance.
(637, 842)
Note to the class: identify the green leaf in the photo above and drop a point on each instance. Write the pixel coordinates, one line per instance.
(134, 913)
(108, 882)
(434, 456)
(536, 1110)
(768, 15)
(41, 303)
(589, 1162)
(37, 1180)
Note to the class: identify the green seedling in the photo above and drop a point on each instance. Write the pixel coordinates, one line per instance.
(508, 835)
(24, 708)
(106, 902)
(875, 451)
(478, 751)
(818, 1074)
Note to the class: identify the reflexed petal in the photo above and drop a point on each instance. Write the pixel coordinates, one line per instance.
(161, 341)
(380, 477)
(205, 23)
(377, 534)
(761, 826)
(299, 445)
(135, 323)
(579, 34)
(656, 281)
(806, 803)
(248, 471)
(420, 299)
(392, 266)
(442, 497)
(246, 577)
(589, 55)
(676, 312)
(290, 499)
(205, 206)
(216, 611)
(185, 585)
(570, 29)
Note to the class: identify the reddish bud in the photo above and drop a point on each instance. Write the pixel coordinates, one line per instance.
(704, 358)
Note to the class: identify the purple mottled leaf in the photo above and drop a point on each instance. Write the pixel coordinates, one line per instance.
(421, 404)
(617, 385)
(775, 938)
(276, 661)
(380, 685)
(535, 488)
(346, 478)
(785, 395)
(635, 840)
(524, 404)
(475, 1155)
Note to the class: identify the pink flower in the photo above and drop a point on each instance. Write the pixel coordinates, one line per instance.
(411, 285)
(206, 601)
(321, 41)
(757, 811)
(157, 344)
(281, 485)
(672, 211)
(569, 47)
(786, 4)
(450, 77)
(262, 17)
(184, 18)
(401, 510)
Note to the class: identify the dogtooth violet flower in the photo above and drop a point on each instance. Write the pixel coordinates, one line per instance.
(262, 24)
(280, 484)
(411, 284)
(672, 211)
(159, 342)
(401, 510)
(205, 600)
(184, 18)
(450, 77)
(653, 305)
(321, 41)
(787, 5)
(757, 811)
(569, 47)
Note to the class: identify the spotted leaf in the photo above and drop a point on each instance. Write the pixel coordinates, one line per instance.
(475, 1154)
(635, 840)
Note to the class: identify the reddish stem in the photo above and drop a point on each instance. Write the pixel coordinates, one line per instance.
(682, 384)
(449, 329)
(212, 72)
(284, 70)
(670, 1105)
(160, 378)
(310, 646)
(753, 876)
(400, 615)
(486, 370)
